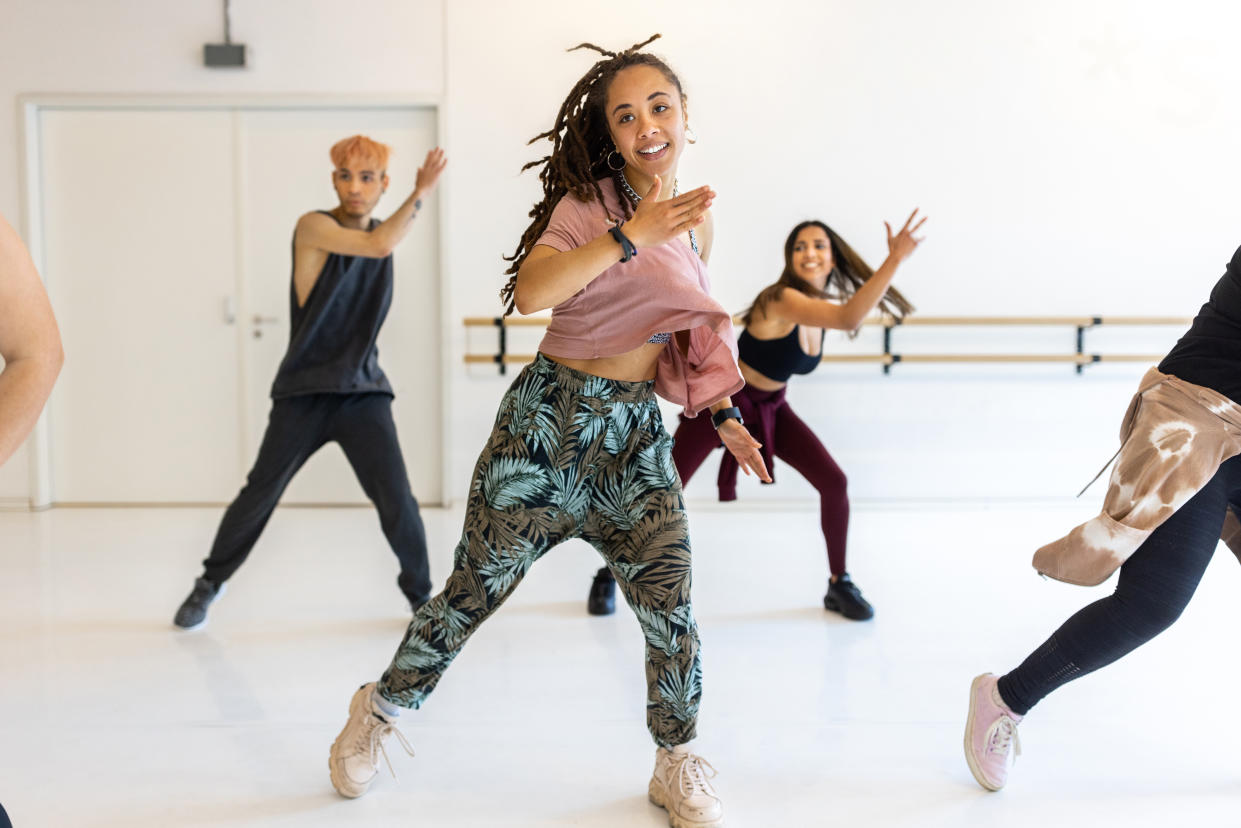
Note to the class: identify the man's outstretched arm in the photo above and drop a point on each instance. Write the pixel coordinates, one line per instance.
(322, 232)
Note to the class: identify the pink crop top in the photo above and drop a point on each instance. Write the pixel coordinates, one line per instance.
(665, 288)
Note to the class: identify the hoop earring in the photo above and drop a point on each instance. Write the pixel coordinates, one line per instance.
(690, 135)
(612, 166)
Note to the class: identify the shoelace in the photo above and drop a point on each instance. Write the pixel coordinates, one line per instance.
(690, 776)
(376, 736)
(1002, 735)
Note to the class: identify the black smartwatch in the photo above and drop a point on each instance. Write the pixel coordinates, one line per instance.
(734, 413)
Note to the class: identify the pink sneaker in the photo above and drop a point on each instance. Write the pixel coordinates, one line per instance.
(990, 734)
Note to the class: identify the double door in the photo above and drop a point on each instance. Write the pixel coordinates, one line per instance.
(167, 252)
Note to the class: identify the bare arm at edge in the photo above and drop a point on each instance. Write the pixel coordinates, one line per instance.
(29, 343)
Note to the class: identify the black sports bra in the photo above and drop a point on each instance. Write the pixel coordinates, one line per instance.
(778, 359)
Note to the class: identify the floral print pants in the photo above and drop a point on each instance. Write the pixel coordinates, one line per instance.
(571, 455)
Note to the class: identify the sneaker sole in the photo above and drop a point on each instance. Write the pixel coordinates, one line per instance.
(969, 739)
(203, 622)
(344, 786)
(831, 605)
(654, 792)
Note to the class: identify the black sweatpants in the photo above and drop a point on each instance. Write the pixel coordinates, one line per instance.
(1155, 585)
(297, 427)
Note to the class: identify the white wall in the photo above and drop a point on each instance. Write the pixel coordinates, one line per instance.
(1074, 158)
(296, 47)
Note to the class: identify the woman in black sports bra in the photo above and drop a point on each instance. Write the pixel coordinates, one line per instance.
(783, 336)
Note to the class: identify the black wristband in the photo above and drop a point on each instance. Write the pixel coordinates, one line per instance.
(734, 413)
(627, 247)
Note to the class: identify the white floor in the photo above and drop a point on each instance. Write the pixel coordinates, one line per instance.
(110, 718)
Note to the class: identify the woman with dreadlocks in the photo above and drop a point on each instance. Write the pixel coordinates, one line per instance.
(579, 448)
(783, 335)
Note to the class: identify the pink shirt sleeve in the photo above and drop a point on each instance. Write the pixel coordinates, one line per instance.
(571, 225)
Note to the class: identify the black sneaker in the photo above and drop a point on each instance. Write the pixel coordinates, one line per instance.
(193, 612)
(844, 597)
(602, 599)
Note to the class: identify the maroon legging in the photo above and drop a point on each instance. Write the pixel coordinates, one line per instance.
(792, 442)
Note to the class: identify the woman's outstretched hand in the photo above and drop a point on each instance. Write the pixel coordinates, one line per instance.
(742, 445)
(904, 243)
(658, 222)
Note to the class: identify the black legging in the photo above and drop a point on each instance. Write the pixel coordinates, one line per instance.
(1155, 586)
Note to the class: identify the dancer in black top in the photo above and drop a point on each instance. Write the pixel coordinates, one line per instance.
(783, 336)
(329, 386)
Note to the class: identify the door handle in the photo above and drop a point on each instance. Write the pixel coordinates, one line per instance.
(259, 320)
(229, 310)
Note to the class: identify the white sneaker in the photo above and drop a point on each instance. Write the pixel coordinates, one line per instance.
(680, 786)
(354, 759)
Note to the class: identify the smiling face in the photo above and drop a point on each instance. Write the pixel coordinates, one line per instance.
(645, 114)
(811, 255)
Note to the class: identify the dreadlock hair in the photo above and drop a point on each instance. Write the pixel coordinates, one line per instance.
(849, 272)
(581, 143)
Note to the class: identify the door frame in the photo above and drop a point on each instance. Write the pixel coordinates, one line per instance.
(31, 224)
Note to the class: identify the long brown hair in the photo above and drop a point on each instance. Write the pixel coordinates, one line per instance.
(849, 272)
(581, 144)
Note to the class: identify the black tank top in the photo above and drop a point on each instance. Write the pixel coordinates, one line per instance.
(332, 337)
(777, 359)
(1209, 354)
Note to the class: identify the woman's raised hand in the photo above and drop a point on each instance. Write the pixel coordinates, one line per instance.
(657, 222)
(904, 243)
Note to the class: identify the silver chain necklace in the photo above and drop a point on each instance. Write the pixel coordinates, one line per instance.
(635, 198)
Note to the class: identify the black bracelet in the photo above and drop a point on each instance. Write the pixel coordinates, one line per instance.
(627, 247)
(734, 413)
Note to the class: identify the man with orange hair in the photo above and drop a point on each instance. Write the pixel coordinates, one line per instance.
(329, 385)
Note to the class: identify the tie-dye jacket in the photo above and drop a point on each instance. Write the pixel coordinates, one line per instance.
(1173, 438)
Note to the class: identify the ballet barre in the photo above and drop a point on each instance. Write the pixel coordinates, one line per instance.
(1079, 358)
